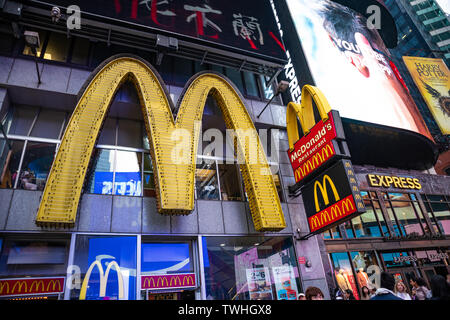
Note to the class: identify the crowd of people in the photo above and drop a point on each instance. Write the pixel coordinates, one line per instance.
(390, 290)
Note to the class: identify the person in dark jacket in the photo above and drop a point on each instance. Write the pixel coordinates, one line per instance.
(439, 288)
(385, 292)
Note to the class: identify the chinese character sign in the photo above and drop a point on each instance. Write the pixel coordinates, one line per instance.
(247, 26)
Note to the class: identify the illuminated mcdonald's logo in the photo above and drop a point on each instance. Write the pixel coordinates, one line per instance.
(168, 281)
(103, 279)
(28, 286)
(174, 182)
(323, 191)
(36, 285)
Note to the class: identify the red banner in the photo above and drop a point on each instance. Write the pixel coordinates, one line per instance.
(27, 286)
(168, 281)
(314, 149)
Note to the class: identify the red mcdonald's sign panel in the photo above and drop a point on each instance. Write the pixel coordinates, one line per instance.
(27, 286)
(313, 149)
(166, 281)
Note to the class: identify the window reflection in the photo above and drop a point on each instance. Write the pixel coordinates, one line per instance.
(229, 182)
(9, 162)
(100, 180)
(343, 273)
(36, 165)
(206, 180)
(127, 177)
(250, 268)
(149, 179)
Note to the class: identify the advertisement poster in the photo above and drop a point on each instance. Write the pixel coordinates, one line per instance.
(350, 64)
(259, 286)
(285, 284)
(432, 77)
(242, 262)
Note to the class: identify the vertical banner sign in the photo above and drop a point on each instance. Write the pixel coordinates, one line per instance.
(314, 149)
(332, 197)
(432, 77)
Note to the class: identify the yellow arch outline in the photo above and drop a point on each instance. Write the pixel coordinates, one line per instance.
(305, 113)
(174, 183)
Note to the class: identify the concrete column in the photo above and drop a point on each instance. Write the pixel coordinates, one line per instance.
(313, 273)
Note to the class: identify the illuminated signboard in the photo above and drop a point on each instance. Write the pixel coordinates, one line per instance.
(349, 63)
(317, 148)
(376, 180)
(321, 141)
(432, 77)
(332, 198)
(247, 27)
(31, 286)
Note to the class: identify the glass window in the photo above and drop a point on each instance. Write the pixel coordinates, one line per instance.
(167, 266)
(229, 182)
(442, 213)
(366, 224)
(107, 263)
(206, 180)
(343, 273)
(269, 91)
(9, 163)
(127, 178)
(361, 261)
(149, 179)
(250, 268)
(57, 47)
(100, 179)
(22, 257)
(183, 70)
(397, 259)
(236, 77)
(349, 229)
(22, 120)
(129, 134)
(406, 215)
(108, 132)
(48, 124)
(36, 165)
(251, 84)
(165, 69)
(80, 51)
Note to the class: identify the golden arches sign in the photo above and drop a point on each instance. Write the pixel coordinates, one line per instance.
(323, 191)
(174, 182)
(305, 113)
(103, 279)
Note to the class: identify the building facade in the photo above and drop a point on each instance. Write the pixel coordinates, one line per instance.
(120, 246)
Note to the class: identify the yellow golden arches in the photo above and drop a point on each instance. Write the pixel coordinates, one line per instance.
(305, 113)
(174, 176)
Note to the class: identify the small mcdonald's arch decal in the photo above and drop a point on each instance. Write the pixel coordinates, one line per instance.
(30, 286)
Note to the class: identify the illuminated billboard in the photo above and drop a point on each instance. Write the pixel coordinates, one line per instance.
(432, 77)
(351, 65)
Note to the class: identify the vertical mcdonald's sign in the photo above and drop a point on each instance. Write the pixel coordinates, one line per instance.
(332, 197)
(319, 143)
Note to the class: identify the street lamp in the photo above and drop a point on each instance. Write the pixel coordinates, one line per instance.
(32, 41)
(282, 86)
